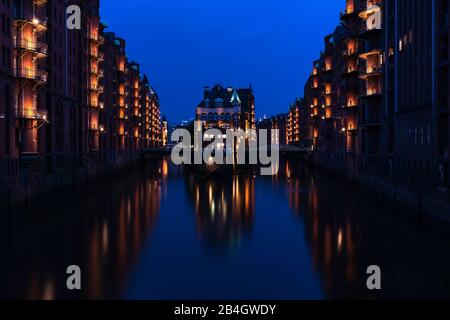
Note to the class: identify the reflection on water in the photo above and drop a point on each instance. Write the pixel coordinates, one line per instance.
(224, 208)
(100, 227)
(159, 233)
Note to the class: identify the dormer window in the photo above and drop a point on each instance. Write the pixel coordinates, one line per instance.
(219, 102)
(207, 103)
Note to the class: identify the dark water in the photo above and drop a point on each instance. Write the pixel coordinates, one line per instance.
(159, 233)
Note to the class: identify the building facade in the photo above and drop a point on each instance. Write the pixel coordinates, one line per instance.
(293, 134)
(71, 101)
(277, 122)
(378, 94)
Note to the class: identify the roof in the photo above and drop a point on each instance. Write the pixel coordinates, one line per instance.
(217, 97)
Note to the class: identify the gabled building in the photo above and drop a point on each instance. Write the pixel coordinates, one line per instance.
(227, 108)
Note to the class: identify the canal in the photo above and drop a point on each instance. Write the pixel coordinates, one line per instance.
(159, 233)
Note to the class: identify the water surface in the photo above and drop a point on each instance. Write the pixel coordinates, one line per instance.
(160, 233)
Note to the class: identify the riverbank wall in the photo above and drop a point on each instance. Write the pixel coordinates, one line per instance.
(32, 182)
(427, 202)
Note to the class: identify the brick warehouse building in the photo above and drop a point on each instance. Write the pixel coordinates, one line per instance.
(71, 102)
(277, 122)
(378, 94)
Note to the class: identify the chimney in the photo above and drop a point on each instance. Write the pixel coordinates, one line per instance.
(206, 92)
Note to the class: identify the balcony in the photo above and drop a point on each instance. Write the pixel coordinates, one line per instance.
(31, 114)
(365, 31)
(348, 13)
(31, 74)
(349, 70)
(94, 70)
(94, 37)
(351, 103)
(370, 52)
(327, 68)
(369, 7)
(370, 71)
(40, 25)
(349, 52)
(38, 47)
(40, 3)
(93, 54)
(372, 92)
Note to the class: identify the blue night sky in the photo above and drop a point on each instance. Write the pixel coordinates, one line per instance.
(184, 45)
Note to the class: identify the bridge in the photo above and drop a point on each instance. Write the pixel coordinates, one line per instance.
(285, 149)
(290, 149)
(157, 151)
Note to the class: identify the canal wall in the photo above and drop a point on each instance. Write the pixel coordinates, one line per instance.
(33, 183)
(407, 190)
